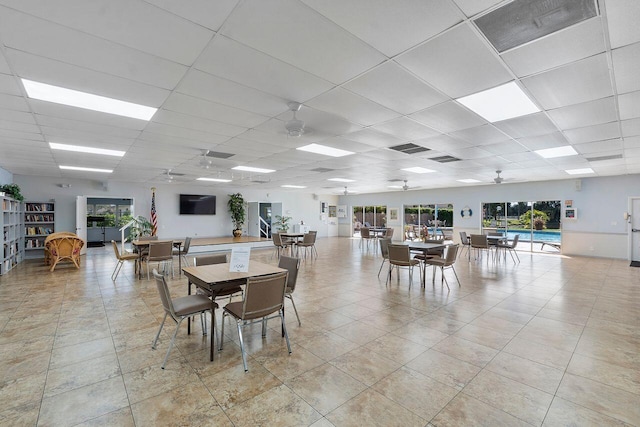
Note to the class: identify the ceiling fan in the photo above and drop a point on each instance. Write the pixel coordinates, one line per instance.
(205, 163)
(498, 179)
(295, 128)
(405, 187)
(169, 177)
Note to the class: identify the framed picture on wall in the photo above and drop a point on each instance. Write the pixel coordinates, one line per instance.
(394, 215)
(571, 213)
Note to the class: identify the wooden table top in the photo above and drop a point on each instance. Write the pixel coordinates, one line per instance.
(220, 272)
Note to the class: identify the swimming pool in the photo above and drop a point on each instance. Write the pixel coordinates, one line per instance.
(538, 236)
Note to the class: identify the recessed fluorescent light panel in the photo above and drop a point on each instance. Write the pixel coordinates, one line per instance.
(323, 149)
(579, 171)
(292, 186)
(550, 153)
(418, 169)
(469, 181)
(213, 179)
(75, 98)
(341, 180)
(500, 103)
(81, 149)
(251, 169)
(78, 168)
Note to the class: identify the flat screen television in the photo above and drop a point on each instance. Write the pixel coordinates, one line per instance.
(197, 204)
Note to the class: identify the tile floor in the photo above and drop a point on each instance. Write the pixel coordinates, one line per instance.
(551, 341)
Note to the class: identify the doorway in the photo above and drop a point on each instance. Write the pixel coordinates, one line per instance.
(633, 219)
(260, 215)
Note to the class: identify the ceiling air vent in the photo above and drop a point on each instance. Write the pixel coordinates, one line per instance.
(598, 159)
(522, 21)
(445, 159)
(322, 170)
(409, 148)
(219, 155)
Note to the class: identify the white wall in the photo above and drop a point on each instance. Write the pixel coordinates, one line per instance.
(6, 177)
(599, 229)
(299, 206)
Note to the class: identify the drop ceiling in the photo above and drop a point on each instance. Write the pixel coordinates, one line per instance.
(370, 75)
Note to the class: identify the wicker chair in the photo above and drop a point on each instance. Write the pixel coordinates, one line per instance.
(63, 248)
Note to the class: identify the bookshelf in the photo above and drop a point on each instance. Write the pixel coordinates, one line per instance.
(39, 222)
(12, 241)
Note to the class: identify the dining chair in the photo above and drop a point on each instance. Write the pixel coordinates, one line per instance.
(511, 247)
(181, 308)
(122, 258)
(292, 265)
(160, 252)
(465, 241)
(278, 243)
(400, 257)
(264, 295)
(234, 287)
(183, 251)
(480, 243)
(308, 243)
(365, 236)
(384, 250)
(447, 262)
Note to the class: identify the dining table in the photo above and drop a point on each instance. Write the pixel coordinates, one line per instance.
(292, 239)
(424, 247)
(214, 278)
(140, 245)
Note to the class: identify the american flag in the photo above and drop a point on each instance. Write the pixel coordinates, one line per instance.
(154, 217)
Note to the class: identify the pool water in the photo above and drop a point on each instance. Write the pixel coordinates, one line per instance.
(538, 236)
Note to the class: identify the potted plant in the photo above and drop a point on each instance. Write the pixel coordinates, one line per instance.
(236, 205)
(282, 222)
(141, 227)
(12, 190)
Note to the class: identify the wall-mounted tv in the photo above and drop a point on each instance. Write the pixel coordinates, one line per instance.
(197, 204)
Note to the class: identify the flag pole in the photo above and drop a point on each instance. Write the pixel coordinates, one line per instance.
(154, 217)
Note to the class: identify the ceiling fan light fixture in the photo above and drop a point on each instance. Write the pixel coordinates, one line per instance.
(204, 162)
(294, 127)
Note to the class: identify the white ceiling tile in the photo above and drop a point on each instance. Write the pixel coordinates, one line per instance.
(629, 105)
(352, 107)
(4, 66)
(506, 147)
(190, 134)
(589, 113)
(9, 85)
(481, 135)
(630, 127)
(577, 82)
(19, 126)
(468, 68)
(405, 23)
(448, 117)
(80, 127)
(404, 128)
(472, 7)
(373, 138)
(530, 125)
(302, 37)
(196, 123)
(199, 107)
(239, 63)
(131, 23)
(17, 116)
(11, 102)
(632, 142)
(560, 48)
(471, 153)
(57, 73)
(593, 133)
(74, 47)
(443, 143)
(210, 14)
(222, 91)
(393, 87)
(626, 63)
(540, 142)
(600, 147)
(622, 19)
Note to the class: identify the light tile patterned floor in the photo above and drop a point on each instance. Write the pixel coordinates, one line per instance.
(552, 341)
